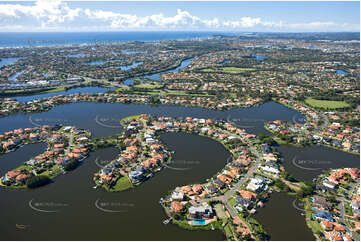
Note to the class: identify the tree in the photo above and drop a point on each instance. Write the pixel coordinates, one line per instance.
(37, 181)
(306, 189)
(261, 136)
(281, 185)
(71, 165)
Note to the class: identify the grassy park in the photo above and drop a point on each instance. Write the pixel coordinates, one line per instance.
(326, 103)
(230, 70)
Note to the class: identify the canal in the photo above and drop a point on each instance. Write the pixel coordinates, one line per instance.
(27, 98)
(136, 214)
(99, 117)
(79, 212)
(307, 163)
(281, 221)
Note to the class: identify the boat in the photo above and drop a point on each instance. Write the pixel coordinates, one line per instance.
(166, 221)
(20, 226)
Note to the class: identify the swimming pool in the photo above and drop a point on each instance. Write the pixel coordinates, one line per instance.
(199, 222)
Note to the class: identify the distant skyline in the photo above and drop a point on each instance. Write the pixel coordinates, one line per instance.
(82, 16)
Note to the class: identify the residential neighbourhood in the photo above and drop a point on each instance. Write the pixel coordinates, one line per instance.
(66, 147)
(248, 103)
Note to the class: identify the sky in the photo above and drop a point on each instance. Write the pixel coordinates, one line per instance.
(255, 16)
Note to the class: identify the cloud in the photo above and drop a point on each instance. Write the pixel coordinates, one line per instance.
(325, 25)
(57, 15)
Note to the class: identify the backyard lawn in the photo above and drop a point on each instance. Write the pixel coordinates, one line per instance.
(123, 183)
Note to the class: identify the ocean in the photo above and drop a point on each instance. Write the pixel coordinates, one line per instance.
(15, 39)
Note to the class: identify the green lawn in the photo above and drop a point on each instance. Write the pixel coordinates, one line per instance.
(220, 211)
(122, 184)
(180, 93)
(315, 226)
(229, 70)
(130, 118)
(232, 201)
(56, 170)
(22, 167)
(153, 93)
(228, 231)
(326, 104)
(148, 86)
(236, 70)
(35, 91)
(120, 89)
(233, 95)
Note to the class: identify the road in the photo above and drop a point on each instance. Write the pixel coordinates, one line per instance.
(105, 82)
(237, 186)
(71, 141)
(341, 207)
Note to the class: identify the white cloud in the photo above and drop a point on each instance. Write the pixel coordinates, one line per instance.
(325, 25)
(57, 15)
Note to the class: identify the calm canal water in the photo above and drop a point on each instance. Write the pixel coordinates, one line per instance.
(97, 117)
(14, 159)
(156, 76)
(307, 163)
(70, 91)
(282, 221)
(137, 216)
(140, 218)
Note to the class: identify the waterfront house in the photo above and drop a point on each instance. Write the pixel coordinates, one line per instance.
(255, 185)
(329, 184)
(136, 176)
(219, 184)
(324, 189)
(271, 167)
(200, 212)
(11, 175)
(333, 236)
(177, 195)
(198, 189)
(242, 202)
(211, 189)
(321, 202)
(250, 196)
(176, 206)
(22, 178)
